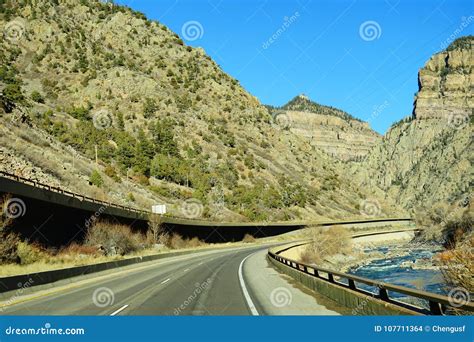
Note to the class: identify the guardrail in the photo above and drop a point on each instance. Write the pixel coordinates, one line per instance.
(68, 193)
(436, 302)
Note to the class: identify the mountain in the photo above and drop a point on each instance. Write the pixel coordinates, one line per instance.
(99, 100)
(329, 129)
(426, 159)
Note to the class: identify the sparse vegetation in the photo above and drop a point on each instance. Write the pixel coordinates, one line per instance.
(452, 226)
(326, 242)
(96, 179)
(248, 238)
(8, 240)
(37, 97)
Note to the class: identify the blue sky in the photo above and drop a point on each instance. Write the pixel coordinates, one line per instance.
(321, 48)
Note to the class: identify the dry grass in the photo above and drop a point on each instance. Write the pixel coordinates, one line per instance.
(77, 249)
(248, 238)
(326, 242)
(176, 241)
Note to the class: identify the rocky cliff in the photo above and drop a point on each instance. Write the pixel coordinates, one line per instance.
(427, 159)
(446, 84)
(329, 129)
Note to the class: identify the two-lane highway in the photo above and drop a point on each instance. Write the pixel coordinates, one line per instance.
(234, 281)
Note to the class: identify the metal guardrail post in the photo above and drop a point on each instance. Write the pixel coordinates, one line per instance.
(435, 308)
(383, 294)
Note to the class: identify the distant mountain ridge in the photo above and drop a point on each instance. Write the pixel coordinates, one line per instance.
(302, 103)
(331, 130)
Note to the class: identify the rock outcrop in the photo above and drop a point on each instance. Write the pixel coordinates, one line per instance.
(446, 84)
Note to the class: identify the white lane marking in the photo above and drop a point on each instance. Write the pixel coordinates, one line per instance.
(251, 305)
(119, 310)
(186, 270)
(165, 281)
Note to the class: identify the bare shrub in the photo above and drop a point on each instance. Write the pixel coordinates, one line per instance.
(445, 224)
(5, 220)
(194, 242)
(30, 253)
(326, 242)
(9, 248)
(176, 241)
(457, 261)
(248, 238)
(155, 228)
(8, 240)
(164, 239)
(114, 238)
(458, 266)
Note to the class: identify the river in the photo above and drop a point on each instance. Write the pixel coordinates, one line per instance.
(398, 270)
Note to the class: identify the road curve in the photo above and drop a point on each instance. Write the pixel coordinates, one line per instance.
(234, 281)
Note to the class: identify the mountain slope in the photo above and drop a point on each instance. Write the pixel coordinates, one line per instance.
(101, 101)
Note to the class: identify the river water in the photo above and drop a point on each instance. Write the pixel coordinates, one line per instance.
(397, 270)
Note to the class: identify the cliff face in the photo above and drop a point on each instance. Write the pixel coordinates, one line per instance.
(331, 130)
(446, 84)
(428, 158)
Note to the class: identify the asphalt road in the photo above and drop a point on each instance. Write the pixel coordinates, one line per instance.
(237, 281)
